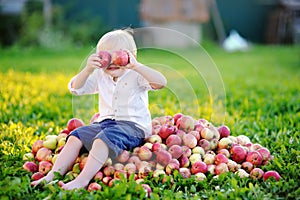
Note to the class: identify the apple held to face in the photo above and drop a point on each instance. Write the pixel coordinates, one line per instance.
(105, 58)
(74, 123)
(120, 58)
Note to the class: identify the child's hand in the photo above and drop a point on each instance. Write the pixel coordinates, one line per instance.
(93, 62)
(132, 61)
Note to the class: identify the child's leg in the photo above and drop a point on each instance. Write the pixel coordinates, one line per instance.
(64, 160)
(97, 157)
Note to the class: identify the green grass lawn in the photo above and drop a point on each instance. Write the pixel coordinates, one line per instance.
(262, 101)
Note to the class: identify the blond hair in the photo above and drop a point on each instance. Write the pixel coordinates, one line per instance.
(117, 40)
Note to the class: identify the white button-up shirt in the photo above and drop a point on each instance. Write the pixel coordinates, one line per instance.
(125, 99)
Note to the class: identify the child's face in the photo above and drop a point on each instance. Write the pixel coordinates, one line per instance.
(114, 70)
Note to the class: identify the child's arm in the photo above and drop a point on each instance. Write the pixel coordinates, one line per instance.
(80, 79)
(156, 79)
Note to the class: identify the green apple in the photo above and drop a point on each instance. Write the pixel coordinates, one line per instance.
(54, 158)
(28, 157)
(76, 168)
(50, 143)
(61, 142)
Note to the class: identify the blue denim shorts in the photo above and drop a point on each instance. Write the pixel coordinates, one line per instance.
(118, 135)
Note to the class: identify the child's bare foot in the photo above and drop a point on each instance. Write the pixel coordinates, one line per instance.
(49, 177)
(75, 184)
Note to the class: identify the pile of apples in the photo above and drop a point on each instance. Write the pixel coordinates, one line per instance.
(178, 143)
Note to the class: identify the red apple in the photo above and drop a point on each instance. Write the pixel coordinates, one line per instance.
(163, 157)
(120, 58)
(156, 129)
(224, 131)
(224, 152)
(124, 156)
(171, 167)
(74, 123)
(255, 147)
(198, 127)
(166, 130)
(105, 58)
(187, 151)
(232, 166)
(255, 158)
(173, 139)
(82, 162)
(220, 158)
(94, 186)
(156, 147)
(45, 167)
(43, 154)
(199, 166)
(271, 174)
(144, 153)
(98, 176)
(109, 170)
(221, 168)
(176, 161)
(247, 166)
(176, 151)
(205, 144)
(134, 159)
(265, 153)
(176, 117)
(189, 140)
(30, 166)
(37, 176)
(196, 134)
(238, 153)
(36, 146)
(66, 131)
(186, 123)
(184, 161)
(106, 180)
(154, 139)
(256, 173)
